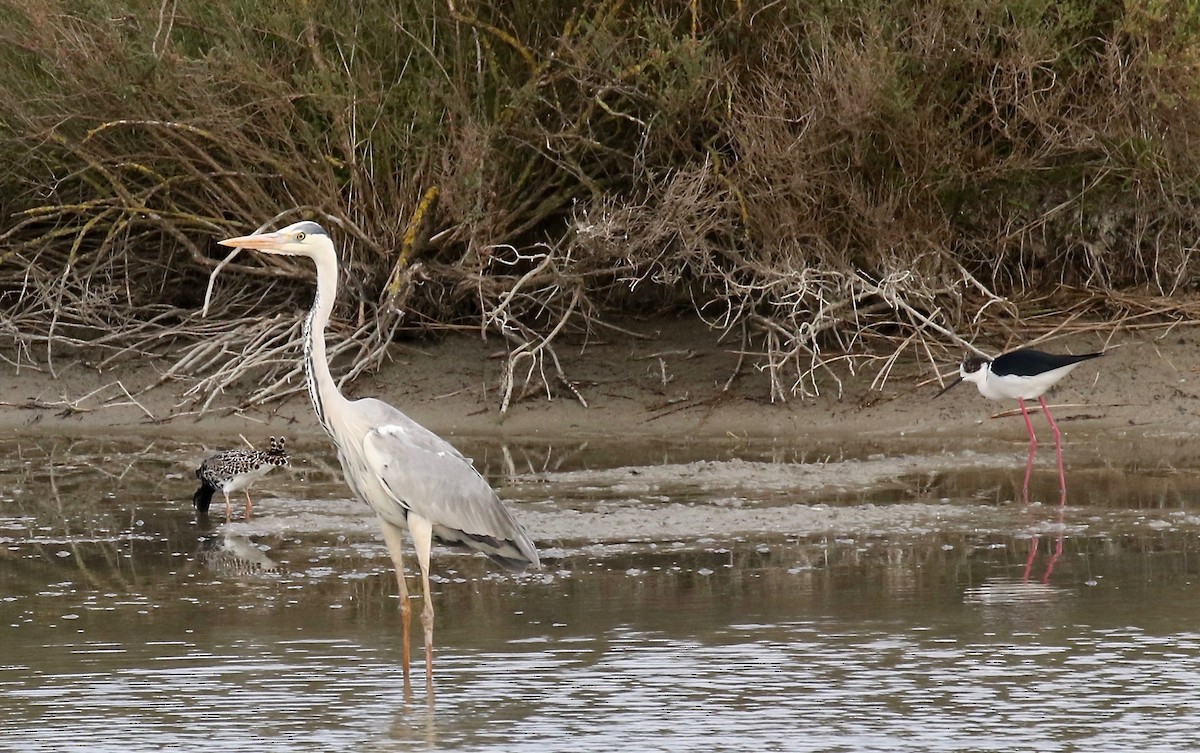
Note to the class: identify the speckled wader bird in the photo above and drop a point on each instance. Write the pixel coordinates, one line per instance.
(236, 471)
(410, 477)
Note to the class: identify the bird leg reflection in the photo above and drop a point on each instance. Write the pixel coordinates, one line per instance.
(1033, 549)
(1058, 550)
(393, 536)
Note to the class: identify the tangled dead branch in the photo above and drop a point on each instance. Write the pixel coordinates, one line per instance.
(849, 192)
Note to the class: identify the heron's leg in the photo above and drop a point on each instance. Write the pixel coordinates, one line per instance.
(228, 509)
(422, 533)
(1062, 476)
(249, 504)
(394, 538)
(1032, 449)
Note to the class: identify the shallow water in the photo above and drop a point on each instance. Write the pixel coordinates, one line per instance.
(714, 595)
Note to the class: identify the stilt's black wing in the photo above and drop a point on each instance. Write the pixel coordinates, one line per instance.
(1027, 362)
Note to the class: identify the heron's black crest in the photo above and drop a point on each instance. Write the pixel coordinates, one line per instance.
(309, 228)
(971, 364)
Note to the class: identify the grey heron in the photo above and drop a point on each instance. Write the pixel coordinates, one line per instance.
(235, 471)
(409, 476)
(1023, 375)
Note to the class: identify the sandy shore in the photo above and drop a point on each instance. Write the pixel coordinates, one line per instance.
(672, 384)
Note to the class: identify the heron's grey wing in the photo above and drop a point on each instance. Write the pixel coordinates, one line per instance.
(428, 477)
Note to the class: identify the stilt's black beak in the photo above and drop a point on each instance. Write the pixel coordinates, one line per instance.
(947, 388)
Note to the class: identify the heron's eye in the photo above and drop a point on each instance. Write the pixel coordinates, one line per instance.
(300, 236)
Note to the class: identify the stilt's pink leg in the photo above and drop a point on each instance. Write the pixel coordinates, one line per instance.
(1032, 449)
(1062, 476)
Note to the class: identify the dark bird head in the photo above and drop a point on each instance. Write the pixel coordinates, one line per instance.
(973, 366)
(203, 497)
(972, 369)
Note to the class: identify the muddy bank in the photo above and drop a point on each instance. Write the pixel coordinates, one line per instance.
(1128, 416)
(671, 385)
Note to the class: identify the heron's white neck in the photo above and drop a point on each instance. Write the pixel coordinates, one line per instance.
(321, 387)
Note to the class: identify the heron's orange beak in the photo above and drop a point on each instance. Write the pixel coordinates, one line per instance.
(264, 241)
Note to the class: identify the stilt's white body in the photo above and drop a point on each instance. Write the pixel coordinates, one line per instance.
(1016, 386)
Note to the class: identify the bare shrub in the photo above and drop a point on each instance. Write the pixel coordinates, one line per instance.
(839, 186)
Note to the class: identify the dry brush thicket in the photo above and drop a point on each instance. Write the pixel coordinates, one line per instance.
(833, 186)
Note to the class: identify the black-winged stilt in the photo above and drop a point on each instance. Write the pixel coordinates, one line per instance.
(1022, 375)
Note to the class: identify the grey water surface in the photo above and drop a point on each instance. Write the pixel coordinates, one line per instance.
(694, 596)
